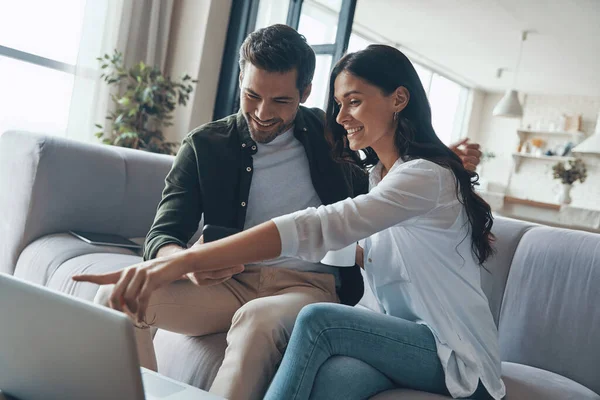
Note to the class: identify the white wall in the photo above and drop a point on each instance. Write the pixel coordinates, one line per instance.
(498, 135)
(197, 42)
(534, 179)
(548, 109)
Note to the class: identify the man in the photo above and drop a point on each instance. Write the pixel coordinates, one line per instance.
(270, 159)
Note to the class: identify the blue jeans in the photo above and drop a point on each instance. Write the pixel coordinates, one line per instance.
(341, 352)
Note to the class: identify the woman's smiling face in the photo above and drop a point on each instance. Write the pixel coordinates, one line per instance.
(365, 112)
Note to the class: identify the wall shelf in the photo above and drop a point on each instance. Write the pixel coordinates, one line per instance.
(524, 134)
(532, 203)
(518, 159)
(542, 133)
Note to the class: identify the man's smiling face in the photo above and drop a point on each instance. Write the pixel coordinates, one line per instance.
(269, 101)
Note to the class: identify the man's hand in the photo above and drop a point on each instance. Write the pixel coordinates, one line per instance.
(212, 277)
(469, 153)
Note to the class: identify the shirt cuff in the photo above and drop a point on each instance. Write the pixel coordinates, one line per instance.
(288, 234)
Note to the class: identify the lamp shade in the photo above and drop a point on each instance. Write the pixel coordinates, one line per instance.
(509, 106)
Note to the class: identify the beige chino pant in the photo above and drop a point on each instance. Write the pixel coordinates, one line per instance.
(257, 308)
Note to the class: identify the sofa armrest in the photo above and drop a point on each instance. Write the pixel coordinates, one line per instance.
(50, 185)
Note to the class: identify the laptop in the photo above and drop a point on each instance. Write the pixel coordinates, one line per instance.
(55, 346)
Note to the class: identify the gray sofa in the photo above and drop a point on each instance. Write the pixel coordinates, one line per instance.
(544, 285)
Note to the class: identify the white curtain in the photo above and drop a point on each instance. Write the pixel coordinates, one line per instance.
(137, 28)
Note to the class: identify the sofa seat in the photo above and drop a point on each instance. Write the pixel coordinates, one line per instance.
(53, 259)
(193, 360)
(526, 382)
(522, 382)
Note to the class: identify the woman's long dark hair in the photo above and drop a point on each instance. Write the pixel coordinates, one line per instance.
(388, 68)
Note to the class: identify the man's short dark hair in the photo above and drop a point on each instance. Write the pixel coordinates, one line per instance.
(279, 48)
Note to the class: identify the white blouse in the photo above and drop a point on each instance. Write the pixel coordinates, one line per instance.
(418, 261)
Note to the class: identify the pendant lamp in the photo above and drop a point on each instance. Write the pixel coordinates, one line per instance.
(510, 106)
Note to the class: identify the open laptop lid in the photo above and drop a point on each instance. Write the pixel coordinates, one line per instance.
(54, 346)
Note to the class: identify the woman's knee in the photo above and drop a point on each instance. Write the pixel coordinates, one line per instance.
(321, 315)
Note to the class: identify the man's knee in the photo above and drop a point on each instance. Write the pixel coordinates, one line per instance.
(256, 316)
(255, 322)
(103, 295)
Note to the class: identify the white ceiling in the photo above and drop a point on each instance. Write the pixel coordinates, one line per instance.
(470, 39)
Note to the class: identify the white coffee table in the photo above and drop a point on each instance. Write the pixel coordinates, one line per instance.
(164, 387)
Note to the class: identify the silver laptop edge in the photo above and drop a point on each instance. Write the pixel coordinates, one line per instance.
(55, 346)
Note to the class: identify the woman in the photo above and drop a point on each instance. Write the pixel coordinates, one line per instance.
(424, 268)
(427, 235)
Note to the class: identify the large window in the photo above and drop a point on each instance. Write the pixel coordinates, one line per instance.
(357, 42)
(271, 12)
(448, 101)
(38, 53)
(448, 107)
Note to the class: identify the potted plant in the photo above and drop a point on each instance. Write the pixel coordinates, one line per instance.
(568, 173)
(145, 108)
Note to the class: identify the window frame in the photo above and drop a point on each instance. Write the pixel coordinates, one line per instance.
(36, 60)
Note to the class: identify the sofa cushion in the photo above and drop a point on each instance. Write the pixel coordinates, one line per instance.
(193, 360)
(549, 315)
(522, 383)
(52, 261)
(508, 233)
(525, 382)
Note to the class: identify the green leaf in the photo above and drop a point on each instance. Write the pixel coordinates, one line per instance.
(98, 126)
(147, 95)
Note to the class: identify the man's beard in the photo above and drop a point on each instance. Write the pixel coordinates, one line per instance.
(266, 137)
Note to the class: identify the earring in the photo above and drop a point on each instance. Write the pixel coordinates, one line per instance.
(396, 116)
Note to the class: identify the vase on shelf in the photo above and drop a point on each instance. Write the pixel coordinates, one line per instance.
(564, 195)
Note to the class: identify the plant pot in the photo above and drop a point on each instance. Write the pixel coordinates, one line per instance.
(564, 195)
